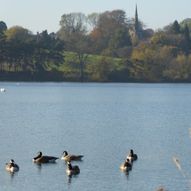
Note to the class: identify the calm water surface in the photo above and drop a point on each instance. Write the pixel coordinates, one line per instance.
(102, 122)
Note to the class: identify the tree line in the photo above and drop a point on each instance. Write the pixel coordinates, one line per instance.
(105, 47)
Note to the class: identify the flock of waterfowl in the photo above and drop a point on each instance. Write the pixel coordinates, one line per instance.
(68, 158)
(40, 159)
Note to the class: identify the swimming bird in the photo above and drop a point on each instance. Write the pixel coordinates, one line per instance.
(44, 159)
(66, 157)
(132, 156)
(126, 166)
(12, 166)
(2, 90)
(72, 170)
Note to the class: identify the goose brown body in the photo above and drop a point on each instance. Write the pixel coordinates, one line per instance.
(44, 159)
(68, 157)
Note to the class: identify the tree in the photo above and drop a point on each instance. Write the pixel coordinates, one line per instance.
(186, 45)
(108, 24)
(3, 26)
(27, 52)
(179, 69)
(48, 49)
(17, 40)
(186, 33)
(120, 40)
(72, 24)
(73, 33)
(175, 27)
(82, 49)
(101, 70)
(185, 22)
(17, 33)
(92, 20)
(149, 61)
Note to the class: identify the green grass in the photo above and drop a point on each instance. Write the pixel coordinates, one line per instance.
(71, 63)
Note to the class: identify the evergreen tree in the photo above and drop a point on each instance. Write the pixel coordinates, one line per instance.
(3, 26)
(175, 27)
(186, 33)
(187, 44)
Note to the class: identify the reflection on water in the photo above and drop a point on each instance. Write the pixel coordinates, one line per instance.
(12, 175)
(70, 178)
(39, 167)
(125, 172)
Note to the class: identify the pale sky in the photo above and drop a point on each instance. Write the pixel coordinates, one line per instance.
(39, 15)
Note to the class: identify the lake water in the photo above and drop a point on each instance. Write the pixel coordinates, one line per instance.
(102, 122)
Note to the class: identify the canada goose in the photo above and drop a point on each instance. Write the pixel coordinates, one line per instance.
(132, 156)
(66, 157)
(126, 166)
(11, 166)
(72, 170)
(44, 159)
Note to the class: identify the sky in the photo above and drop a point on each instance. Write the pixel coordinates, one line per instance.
(39, 15)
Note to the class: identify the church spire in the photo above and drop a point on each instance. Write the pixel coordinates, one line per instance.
(136, 16)
(137, 24)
